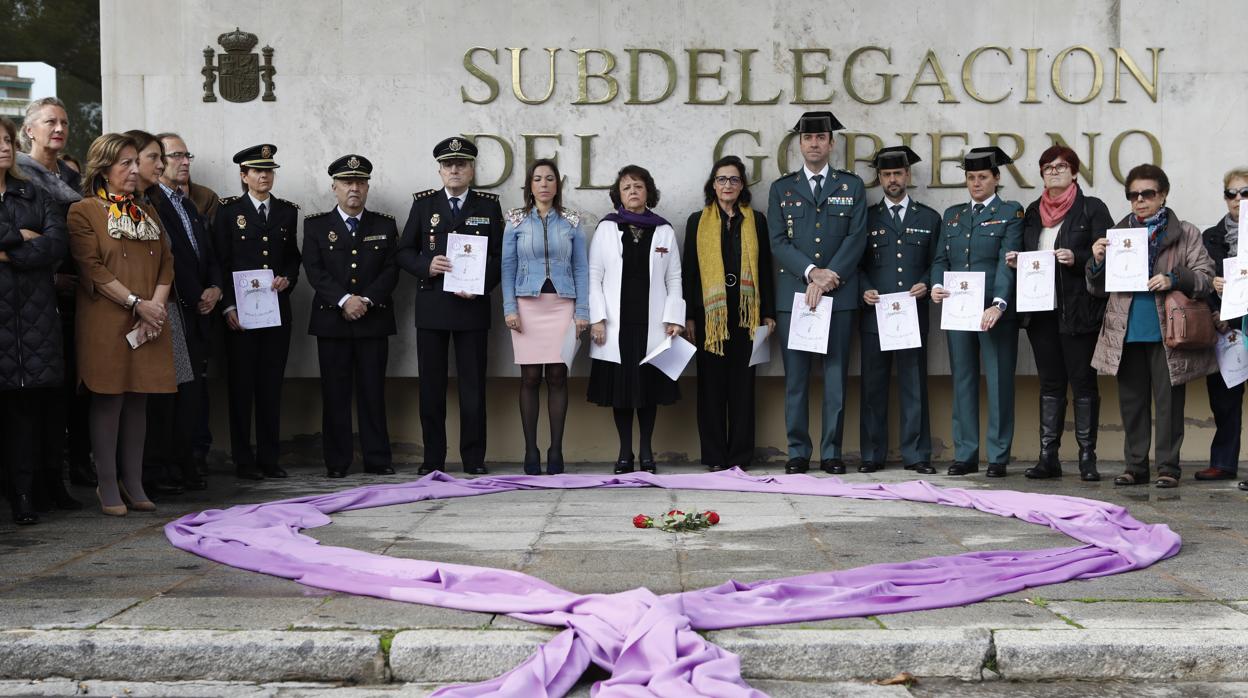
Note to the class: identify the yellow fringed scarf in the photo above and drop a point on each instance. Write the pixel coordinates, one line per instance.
(714, 289)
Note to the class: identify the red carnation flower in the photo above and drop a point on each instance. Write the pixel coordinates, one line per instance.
(643, 521)
(712, 517)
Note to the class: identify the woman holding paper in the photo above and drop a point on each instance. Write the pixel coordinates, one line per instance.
(1222, 241)
(1131, 344)
(1065, 221)
(729, 296)
(124, 353)
(545, 280)
(634, 302)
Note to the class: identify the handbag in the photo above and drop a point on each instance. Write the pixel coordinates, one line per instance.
(1189, 323)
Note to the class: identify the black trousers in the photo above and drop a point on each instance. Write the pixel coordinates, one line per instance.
(726, 401)
(354, 367)
(433, 355)
(1227, 405)
(172, 421)
(1062, 359)
(67, 425)
(21, 442)
(257, 367)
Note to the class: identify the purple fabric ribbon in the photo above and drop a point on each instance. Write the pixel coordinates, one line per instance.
(650, 643)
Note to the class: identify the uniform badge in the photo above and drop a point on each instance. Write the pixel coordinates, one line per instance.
(266, 152)
(242, 222)
(790, 228)
(333, 237)
(353, 162)
(433, 241)
(435, 219)
(455, 145)
(844, 186)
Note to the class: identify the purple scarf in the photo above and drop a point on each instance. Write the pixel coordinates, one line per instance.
(649, 219)
(650, 643)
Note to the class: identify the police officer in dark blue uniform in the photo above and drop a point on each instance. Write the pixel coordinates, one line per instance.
(250, 232)
(349, 254)
(443, 317)
(817, 220)
(977, 236)
(901, 243)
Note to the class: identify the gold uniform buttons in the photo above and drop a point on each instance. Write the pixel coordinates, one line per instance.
(264, 253)
(264, 238)
(899, 269)
(355, 251)
(354, 265)
(817, 255)
(264, 266)
(818, 240)
(898, 255)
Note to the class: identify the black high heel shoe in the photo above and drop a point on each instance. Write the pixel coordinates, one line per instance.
(648, 465)
(554, 462)
(624, 466)
(533, 463)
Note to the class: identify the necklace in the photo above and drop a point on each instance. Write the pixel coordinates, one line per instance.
(637, 233)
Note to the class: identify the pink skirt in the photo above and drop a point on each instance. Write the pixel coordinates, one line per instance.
(544, 322)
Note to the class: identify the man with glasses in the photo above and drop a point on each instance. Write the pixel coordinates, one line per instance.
(817, 220)
(1222, 241)
(178, 161)
(901, 243)
(443, 317)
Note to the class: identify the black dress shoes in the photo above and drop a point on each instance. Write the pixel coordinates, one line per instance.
(623, 465)
(717, 467)
(911, 466)
(246, 472)
(24, 511)
(962, 468)
(832, 466)
(383, 470)
(796, 466)
(1243, 485)
(478, 469)
(924, 468)
(870, 467)
(648, 465)
(426, 468)
(996, 470)
(336, 473)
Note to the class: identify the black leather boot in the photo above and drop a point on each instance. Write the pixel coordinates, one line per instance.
(1087, 416)
(1052, 420)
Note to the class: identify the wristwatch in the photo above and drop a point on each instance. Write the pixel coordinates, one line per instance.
(131, 301)
(1001, 305)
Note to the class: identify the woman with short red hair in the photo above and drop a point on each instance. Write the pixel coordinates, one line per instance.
(1065, 221)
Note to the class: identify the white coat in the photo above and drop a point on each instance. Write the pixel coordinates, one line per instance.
(606, 267)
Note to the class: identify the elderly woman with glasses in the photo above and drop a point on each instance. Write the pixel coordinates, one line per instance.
(1222, 241)
(1151, 375)
(728, 296)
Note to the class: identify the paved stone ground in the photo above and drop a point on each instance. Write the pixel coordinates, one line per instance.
(100, 599)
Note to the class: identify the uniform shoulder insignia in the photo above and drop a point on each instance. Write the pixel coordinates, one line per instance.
(287, 201)
(423, 194)
(383, 215)
(514, 216)
(571, 215)
(310, 216)
(489, 195)
(227, 200)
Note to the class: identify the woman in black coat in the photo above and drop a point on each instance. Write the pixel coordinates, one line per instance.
(1067, 222)
(32, 242)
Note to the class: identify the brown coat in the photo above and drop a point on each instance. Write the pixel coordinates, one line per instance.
(1183, 253)
(106, 363)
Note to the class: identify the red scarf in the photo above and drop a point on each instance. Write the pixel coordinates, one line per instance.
(1054, 208)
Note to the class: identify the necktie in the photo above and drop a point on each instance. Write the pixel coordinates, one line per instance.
(896, 208)
(180, 201)
(264, 213)
(978, 208)
(352, 224)
(455, 206)
(816, 185)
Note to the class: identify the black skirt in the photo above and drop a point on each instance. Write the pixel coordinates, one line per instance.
(629, 384)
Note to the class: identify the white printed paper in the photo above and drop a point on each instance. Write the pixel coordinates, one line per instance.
(671, 356)
(255, 300)
(1126, 260)
(761, 351)
(1035, 279)
(897, 320)
(467, 254)
(1232, 358)
(808, 329)
(571, 345)
(963, 310)
(1235, 290)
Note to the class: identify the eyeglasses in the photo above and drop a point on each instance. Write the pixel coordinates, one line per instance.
(1145, 194)
(725, 181)
(1055, 169)
(180, 156)
(1231, 193)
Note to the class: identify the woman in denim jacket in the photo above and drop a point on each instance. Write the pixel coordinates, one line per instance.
(545, 293)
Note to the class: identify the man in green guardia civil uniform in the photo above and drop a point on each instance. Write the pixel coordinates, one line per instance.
(976, 236)
(817, 222)
(901, 243)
